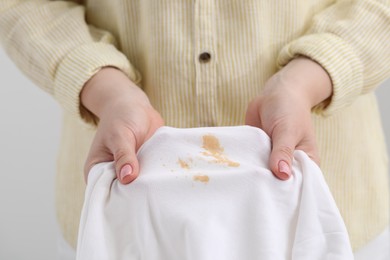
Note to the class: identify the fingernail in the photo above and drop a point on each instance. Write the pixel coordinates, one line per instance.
(284, 170)
(126, 171)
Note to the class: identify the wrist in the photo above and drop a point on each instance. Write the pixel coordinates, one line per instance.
(110, 88)
(309, 79)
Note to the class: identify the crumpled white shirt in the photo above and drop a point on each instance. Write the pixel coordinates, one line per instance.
(208, 194)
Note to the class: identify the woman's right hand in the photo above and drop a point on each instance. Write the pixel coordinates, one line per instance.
(126, 121)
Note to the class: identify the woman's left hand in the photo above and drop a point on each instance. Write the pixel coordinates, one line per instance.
(283, 111)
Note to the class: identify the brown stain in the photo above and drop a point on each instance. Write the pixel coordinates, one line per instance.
(214, 149)
(211, 144)
(201, 178)
(183, 164)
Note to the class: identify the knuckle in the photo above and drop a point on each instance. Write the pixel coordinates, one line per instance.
(285, 151)
(128, 135)
(114, 137)
(122, 154)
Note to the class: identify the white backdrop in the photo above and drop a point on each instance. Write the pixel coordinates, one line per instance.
(30, 123)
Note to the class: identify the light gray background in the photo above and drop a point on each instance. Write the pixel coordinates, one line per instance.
(30, 123)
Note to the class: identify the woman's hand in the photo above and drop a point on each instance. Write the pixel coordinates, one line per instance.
(126, 121)
(283, 111)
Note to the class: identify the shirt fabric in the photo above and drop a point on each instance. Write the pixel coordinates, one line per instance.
(199, 197)
(158, 44)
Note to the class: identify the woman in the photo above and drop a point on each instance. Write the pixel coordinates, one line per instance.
(303, 71)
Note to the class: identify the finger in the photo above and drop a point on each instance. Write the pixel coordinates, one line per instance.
(126, 162)
(284, 142)
(97, 154)
(252, 116)
(309, 146)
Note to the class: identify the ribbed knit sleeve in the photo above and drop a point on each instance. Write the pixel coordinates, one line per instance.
(52, 44)
(351, 40)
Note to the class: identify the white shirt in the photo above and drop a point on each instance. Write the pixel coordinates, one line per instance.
(207, 193)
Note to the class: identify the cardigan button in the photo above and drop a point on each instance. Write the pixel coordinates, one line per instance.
(204, 57)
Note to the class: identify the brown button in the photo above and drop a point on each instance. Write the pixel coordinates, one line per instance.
(205, 57)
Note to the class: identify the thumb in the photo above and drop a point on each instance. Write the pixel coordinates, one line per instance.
(126, 162)
(283, 146)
